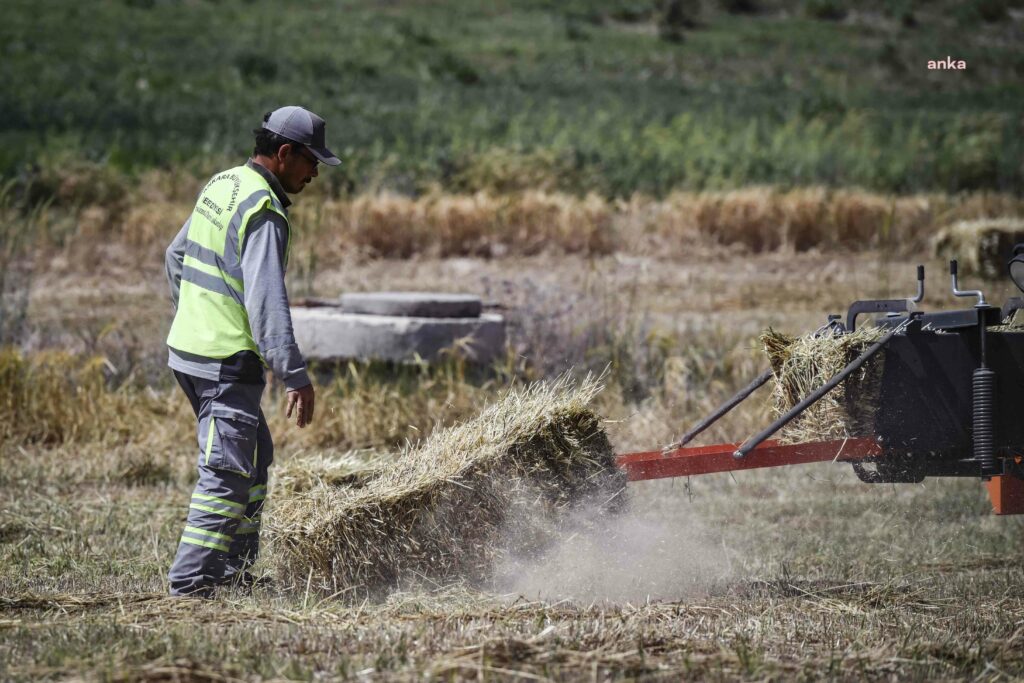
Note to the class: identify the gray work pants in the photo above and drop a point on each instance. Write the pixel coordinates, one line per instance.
(221, 536)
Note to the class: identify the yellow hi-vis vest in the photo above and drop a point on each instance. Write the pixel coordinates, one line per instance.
(211, 320)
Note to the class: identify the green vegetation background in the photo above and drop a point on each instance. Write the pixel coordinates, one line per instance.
(612, 96)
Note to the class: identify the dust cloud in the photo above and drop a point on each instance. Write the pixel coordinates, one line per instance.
(619, 556)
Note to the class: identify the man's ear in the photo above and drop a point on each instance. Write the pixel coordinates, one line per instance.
(283, 151)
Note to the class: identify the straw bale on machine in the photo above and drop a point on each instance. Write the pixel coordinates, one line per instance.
(802, 364)
(447, 509)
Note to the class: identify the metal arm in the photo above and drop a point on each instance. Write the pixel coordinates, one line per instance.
(721, 410)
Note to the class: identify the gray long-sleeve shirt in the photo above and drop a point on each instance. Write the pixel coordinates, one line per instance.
(266, 299)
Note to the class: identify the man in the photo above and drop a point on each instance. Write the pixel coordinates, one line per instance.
(226, 271)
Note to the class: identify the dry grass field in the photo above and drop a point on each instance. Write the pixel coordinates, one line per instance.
(801, 573)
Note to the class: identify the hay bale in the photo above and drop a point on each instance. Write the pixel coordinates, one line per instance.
(352, 468)
(802, 364)
(982, 246)
(449, 508)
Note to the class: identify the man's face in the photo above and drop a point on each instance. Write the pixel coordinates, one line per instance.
(298, 168)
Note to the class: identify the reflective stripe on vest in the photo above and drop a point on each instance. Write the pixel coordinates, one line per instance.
(211, 320)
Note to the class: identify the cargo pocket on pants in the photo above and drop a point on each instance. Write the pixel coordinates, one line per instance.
(231, 441)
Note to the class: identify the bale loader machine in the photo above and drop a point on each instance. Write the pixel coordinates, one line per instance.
(950, 402)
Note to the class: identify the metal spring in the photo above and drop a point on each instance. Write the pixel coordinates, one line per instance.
(983, 403)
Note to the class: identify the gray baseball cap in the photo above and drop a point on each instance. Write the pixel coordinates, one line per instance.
(304, 127)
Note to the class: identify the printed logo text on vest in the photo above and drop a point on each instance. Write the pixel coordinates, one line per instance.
(215, 188)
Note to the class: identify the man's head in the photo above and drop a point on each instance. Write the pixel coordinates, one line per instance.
(291, 143)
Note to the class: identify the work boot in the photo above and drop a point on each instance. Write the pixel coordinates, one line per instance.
(203, 593)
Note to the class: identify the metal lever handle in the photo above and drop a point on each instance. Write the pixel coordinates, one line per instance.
(964, 292)
(920, 286)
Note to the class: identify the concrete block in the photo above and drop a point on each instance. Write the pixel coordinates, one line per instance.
(413, 304)
(327, 334)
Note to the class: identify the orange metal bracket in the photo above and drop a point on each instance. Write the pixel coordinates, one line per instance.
(684, 462)
(1006, 494)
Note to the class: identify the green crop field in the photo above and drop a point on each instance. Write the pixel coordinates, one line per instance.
(606, 96)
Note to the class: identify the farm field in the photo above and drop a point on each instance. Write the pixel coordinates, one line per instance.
(642, 188)
(798, 572)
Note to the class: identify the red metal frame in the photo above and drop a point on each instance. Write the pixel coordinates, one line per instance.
(1006, 492)
(684, 462)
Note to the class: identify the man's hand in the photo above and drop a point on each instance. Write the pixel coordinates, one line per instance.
(303, 398)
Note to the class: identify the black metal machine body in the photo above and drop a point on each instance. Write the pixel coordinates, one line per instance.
(941, 410)
(926, 403)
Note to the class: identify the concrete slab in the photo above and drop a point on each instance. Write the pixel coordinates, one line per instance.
(413, 304)
(328, 334)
